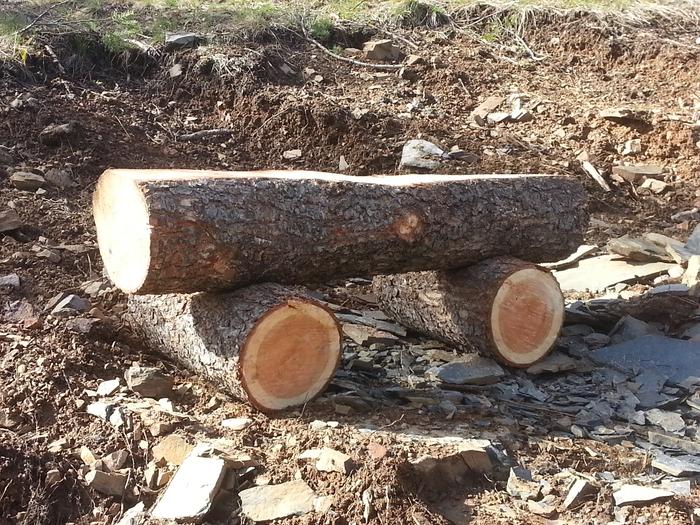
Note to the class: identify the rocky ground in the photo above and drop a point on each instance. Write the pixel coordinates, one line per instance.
(94, 424)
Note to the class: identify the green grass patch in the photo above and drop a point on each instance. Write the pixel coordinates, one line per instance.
(118, 22)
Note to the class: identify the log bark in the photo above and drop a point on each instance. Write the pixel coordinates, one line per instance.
(162, 231)
(271, 345)
(504, 308)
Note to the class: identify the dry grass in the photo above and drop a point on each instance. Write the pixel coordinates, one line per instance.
(121, 23)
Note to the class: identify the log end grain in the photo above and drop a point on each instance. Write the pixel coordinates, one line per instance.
(123, 231)
(290, 355)
(526, 316)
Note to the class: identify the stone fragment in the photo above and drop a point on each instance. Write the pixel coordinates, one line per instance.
(579, 491)
(678, 487)
(623, 114)
(654, 186)
(639, 495)
(638, 249)
(180, 40)
(87, 456)
(71, 302)
(677, 358)
(629, 328)
(471, 370)
(9, 282)
(148, 381)
(381, 50)
(680, 466)
(631, 147)
(60, 178)
(52, 477)
(58, 445)
(192, 490)
(27, 181)
(81, 325)
(163, 478)
(521, 485)
(691, 278)
(271, 502)
(673, 442)
(546, 507)
(421, 154)
(100, 409)
(460, 462)
(55, 134)
(580, 253)
(136, 515)
(637, 174)
(693, 243)
(593, 172)
(107, 388)
(116, 460)
(237, 423)
(173, 450)
(292, 154)
(497, 117)
(331, 460)
(554, 363)
(112, 484)
(150, 475)
(487, 106)
(9, 220)
(596, 340)
(598, 273)
(669, 421)
(367, 335)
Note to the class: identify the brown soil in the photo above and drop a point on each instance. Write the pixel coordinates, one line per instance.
(130, 115)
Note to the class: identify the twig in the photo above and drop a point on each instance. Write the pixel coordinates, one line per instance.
(524, 45)
(392, 67)
(204, 134)
(41, 15)
(397, 37)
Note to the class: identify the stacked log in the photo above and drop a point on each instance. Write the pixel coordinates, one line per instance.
(504, 308)
(182, 240)
(163, 231)
(271, 345)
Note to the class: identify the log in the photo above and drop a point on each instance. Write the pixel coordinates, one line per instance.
(271, 345)
(504, 308)
(162, 231)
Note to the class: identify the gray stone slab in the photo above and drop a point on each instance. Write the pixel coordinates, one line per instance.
(676, 359)
(598, 273)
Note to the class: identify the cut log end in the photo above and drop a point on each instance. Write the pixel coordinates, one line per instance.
(123, 230)
(290, 356)
(526, 316)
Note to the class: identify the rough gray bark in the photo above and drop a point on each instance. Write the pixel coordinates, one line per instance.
(221, 232)
(207, 332)
(451, 306)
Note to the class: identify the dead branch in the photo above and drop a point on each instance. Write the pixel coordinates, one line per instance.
(392, 67)
(41, 15)
(204, 135)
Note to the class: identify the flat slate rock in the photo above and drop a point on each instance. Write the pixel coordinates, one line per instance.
(472, 370)
(598, 273)
(581, 252)
(639, 495)
(674, 358)
(9, 220)
(192, 490)
(680, 466)
(272, 502)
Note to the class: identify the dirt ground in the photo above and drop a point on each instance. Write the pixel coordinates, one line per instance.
(280, 93)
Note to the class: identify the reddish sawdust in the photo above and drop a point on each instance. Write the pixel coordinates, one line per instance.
(132, 121)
